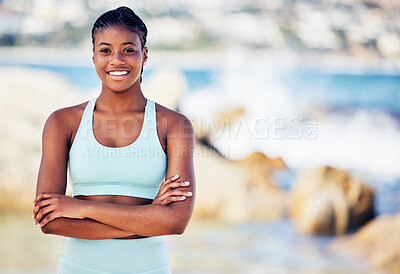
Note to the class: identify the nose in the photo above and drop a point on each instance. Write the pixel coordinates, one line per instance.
(117, 59)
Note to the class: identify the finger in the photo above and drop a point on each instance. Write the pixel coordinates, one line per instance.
(42, 213)
(171, 179)
(175, 192)
(172, 199)
(178, 184)
(42, 196)
(41, 204)
(48, 219)
(171, 185)
(166, 182)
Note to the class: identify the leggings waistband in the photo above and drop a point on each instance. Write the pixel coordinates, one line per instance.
(144, 255)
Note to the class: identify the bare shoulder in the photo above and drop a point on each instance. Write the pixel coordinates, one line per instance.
(174, 122)
(65, 120)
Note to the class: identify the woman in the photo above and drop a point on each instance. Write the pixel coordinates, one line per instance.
(119, 148)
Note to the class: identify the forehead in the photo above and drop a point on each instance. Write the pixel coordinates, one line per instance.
(116, 34)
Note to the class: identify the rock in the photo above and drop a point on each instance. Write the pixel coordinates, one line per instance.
(228, 117)
(211, 112)
(166, 86)
(227, 191)
(219, 187)
(377, 241)
(204, 127)
(259, 167)
(28, 98)
(326, 200)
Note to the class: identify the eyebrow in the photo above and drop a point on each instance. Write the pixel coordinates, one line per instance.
(126, 43)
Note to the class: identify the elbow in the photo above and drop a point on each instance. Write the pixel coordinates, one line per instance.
(178, 227)
(177, 230)
(46, 230)
(175, 220)
(49, 228)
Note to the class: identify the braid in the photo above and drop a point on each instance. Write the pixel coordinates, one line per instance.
(124, 17)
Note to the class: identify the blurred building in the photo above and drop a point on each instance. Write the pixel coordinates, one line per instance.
(362, 28)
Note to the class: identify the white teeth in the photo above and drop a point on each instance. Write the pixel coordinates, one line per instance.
(117, 73)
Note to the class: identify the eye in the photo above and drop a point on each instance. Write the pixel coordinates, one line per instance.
(105, 50)
(129, 50)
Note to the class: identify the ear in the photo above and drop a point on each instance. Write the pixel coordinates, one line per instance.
(93, 57)
(145, 54)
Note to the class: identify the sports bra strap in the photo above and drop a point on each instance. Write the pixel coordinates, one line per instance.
(148, 128)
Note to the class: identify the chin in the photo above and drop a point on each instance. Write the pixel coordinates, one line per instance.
(118, 88)
(121, 86)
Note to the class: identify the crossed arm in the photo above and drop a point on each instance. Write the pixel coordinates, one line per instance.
(67, 216)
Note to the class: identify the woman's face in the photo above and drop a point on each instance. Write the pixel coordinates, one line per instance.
(118, 57)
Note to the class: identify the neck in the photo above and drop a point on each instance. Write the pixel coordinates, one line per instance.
(117, 102)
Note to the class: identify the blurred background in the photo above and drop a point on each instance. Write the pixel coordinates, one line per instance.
(296, 108)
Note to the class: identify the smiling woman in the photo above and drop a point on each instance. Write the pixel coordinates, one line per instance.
(121, 205)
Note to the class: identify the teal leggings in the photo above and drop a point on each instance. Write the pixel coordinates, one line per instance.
(144, 255)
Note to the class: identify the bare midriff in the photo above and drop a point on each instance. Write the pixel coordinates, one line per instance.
(120, 200)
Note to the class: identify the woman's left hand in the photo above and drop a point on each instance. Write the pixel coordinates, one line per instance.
(54, 206)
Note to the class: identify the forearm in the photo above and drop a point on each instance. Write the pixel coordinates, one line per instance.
(146, 220)
(84, 229)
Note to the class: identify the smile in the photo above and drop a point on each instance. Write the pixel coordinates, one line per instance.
(118, 73)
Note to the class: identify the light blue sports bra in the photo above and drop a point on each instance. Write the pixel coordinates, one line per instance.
(134, 170)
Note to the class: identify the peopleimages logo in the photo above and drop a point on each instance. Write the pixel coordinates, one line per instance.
(217, 128)
(260, 128)
(209, 131)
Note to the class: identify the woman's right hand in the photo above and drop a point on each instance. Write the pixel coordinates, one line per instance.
(169, 192)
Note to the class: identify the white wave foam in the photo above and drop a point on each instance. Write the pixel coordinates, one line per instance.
(278, 125)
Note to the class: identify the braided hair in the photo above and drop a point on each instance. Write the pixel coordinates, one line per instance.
(122, 17)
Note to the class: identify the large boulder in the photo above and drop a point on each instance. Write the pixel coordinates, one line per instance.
(377, 241)
(236, 191)
(28, 96)
(260, 167)
(326, 200)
